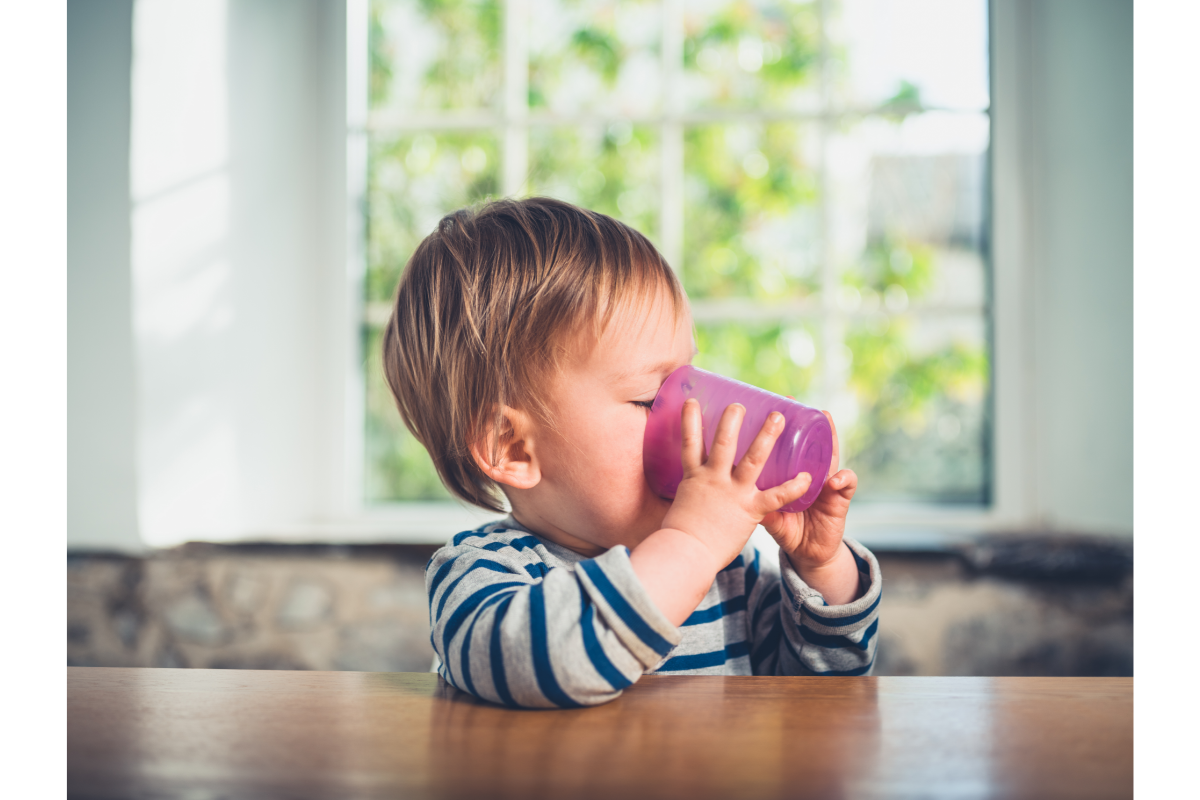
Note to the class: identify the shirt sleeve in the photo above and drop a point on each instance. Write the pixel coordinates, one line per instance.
(524, 635)
(794, 632)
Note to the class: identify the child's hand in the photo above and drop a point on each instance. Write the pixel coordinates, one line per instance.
(714, 512)
(812, 538)
(717, 502)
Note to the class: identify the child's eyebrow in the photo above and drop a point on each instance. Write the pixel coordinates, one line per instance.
(656, 369)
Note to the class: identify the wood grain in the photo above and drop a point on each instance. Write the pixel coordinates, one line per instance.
(142, 733)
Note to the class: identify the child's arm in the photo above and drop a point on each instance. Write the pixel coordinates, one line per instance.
(812, 539)
(793, 631)
(509, 630)
(828, 591)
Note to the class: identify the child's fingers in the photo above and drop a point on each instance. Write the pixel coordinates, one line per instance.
(751, 465)
(776, 498)
(833, 462)
(844, 483)
(693, 436)
(724, 446)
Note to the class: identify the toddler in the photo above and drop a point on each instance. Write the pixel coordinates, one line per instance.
(528, 340)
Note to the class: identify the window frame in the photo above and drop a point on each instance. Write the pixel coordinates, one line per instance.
(911, 524)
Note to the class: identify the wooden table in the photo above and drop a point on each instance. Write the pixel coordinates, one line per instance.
(142, 733)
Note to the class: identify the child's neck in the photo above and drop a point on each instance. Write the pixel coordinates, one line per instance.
(534, 523)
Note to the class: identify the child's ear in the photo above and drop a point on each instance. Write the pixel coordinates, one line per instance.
(509, 438)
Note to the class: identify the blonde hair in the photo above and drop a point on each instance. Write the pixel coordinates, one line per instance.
(486, 308)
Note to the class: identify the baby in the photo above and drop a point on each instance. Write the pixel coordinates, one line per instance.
(528, 340)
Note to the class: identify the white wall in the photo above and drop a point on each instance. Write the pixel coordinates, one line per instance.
(1083, 229)
(101, 484)
(1064, 112)
(238, 249)
(206, 361)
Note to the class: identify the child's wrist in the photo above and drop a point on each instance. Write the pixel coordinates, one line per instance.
(804, 563)
(836, 578)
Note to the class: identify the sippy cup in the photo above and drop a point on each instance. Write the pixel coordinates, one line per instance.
(805, 445)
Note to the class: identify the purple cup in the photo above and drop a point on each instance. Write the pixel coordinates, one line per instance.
(806, 444)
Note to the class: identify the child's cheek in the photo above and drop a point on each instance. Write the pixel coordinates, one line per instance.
(621, 445)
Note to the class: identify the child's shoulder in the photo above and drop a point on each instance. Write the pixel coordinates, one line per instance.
(495, 535)
(502, 540)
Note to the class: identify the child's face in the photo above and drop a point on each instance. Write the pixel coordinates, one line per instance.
(593, 493)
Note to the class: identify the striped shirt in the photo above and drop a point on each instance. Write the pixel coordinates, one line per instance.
(519, 620)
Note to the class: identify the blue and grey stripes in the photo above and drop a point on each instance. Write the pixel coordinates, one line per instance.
(524, 622)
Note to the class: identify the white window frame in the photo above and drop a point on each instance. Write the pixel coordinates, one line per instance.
(915, 525)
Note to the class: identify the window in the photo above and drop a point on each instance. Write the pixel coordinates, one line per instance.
(815, 171)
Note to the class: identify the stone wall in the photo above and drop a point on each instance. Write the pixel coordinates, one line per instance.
(1017, 607)
(941, 616)
(251, 607)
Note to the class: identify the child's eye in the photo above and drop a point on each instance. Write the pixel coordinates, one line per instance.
(647, 404)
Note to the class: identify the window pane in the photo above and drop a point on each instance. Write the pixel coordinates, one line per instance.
(908, 52)
(595, 55)
(436, 54)
(781, 357)
(761, 54)
(613, 169)
(907, 211)
(906, 236)
(412, 182)
(751, 213)
(916, 428)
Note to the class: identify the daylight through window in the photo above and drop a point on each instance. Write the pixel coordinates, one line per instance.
(815, 171)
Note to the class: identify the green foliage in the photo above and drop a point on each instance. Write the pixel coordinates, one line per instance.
(613, 170)
(923, 428)
(901, 385)
(907, 395)
(466, 70)
(601, 49)
(412, 182)
(744, 180)
(753, 55)
(894, 261)
(592, 52)
(905, 101)
(780, 358)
